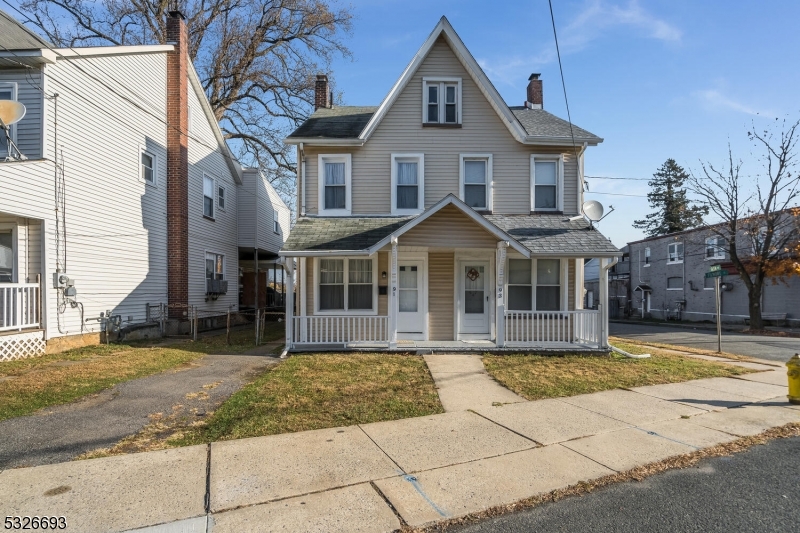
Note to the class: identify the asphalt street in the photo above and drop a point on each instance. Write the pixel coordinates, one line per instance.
(753, 491)
(764, 347)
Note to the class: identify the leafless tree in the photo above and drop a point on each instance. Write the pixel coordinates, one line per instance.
(257, 59)
(757, 216)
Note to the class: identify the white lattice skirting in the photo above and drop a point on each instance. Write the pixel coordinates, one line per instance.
(22, 345)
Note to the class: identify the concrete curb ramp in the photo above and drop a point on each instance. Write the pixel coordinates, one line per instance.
(417, 471)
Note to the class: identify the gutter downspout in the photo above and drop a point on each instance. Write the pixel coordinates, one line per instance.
(604, 300)
(302, 156)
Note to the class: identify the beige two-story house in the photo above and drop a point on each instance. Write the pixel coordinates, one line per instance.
(442, 218)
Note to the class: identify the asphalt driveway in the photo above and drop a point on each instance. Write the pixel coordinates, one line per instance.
(764, 347)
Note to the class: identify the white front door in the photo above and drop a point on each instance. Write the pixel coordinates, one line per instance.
(476, 292)
(411, 299)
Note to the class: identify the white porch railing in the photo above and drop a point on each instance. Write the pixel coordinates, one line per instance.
(19, 306)
(544, 327)
(323, 329)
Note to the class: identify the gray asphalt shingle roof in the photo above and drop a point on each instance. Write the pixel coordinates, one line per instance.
(554, 234)
(338, 122)
(538, 122)
(541, 234)
(341, 233)
(15, 36)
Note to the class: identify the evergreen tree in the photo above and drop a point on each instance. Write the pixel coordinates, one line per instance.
(673, 210)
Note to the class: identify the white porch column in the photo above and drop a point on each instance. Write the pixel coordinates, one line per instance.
(500, 315)
(393, 296)
(302, 288)
(602, 302)
(578, 283)
(289, 266)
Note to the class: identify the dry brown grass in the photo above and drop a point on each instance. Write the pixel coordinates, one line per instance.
(636, 474)
(537, 377)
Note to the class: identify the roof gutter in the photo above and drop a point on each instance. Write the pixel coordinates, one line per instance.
(561, 141)
(323, 141)
(317, 253)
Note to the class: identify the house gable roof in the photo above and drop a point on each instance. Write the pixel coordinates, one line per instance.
(15, 36)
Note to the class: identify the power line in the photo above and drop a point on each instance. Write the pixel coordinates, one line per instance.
(616, 178)
(618, 194)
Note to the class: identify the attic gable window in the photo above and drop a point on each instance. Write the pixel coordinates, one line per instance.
(441, 101)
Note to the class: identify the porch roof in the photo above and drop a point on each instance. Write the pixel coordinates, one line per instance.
(340, 234)
(555, 235)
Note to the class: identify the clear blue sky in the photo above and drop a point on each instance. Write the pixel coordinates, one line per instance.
(656, 79)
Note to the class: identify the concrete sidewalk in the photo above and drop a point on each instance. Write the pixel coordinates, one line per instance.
(429, 468)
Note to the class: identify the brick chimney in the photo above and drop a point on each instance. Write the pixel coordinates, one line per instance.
(177, 166)
(322, 95)
(535, 96)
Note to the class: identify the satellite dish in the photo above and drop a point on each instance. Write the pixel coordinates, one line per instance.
(593, 210)
(11, 112)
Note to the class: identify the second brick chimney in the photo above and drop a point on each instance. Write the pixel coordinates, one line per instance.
(177, 166)
(322, 95)
(535, 96)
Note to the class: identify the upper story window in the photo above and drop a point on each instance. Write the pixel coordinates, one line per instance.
(408, 177)
(675, 252)
(147, 167)
(221, 198)
(208, 196)
(334, 184)
(647, 256)
(8, 91)
(476, 180)
(715, 247)
(441, 101)
(546, 172)
(276, 225)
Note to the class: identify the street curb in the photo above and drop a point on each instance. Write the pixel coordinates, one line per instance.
(681, 326)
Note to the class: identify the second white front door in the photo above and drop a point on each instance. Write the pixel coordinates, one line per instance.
(476, 292)
(411, 304)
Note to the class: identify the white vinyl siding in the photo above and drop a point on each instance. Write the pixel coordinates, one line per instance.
(257, 228)
(481, 131)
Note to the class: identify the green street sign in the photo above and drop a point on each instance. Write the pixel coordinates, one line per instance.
(715, 268)
(716, 273)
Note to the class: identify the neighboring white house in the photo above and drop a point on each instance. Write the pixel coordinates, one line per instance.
(124, 196)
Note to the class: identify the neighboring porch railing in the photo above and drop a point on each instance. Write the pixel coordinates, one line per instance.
(19, 306)
(340, 329)
(541, 327)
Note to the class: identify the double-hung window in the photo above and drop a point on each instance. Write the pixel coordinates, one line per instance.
(276, 225)
(546, 171)
(715, 247)
(647, 257)
(147, 167)
(346, 285)
(476, 180)
(675, 252)
(8, 91)
(408, 177)
(441, 101)
(534, 284)
(221, 198)
(215, 266)
(334, 184)
(6, 255)
(208, 196)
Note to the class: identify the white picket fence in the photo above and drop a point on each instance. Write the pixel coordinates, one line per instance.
(531, 328)
(340, 329)
(19, 306)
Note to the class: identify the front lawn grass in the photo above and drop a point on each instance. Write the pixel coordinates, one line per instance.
(28, 385)
(318, 391)
(535, 377)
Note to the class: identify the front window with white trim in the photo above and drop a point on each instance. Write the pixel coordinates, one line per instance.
(408, 175)
(346, 284)
(476, 180)
(215, 266)
(334, 184)
(208, 196)
(441, 101)
(675, 252)
(546, 171)
(715, 247)
(535, 284)
(147, 163)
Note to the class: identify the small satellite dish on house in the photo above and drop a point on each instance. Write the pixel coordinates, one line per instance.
(593, 210)
(11, 112)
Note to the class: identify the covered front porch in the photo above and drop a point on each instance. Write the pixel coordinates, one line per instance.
(449, 278)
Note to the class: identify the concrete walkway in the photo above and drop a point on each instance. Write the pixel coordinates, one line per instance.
(101, 420)
(463, 383)
(428, 468)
